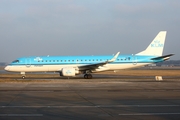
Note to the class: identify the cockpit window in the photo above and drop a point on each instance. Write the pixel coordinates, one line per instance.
(16, 61)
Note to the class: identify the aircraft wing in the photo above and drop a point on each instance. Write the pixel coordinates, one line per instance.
(96, 65)
(165, 57)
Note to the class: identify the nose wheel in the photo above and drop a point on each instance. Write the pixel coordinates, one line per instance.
(88, 76)
(23, 77)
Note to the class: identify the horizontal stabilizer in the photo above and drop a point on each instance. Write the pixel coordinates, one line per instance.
(165, 57)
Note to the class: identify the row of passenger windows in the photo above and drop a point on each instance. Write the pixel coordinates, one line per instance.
(80, 60)
(66, 60)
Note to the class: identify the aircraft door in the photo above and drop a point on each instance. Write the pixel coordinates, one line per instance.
(28, 62)
(134, 59)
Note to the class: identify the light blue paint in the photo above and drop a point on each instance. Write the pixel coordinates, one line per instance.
(63, 60)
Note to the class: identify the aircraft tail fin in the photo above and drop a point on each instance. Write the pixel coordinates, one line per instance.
(155, 48)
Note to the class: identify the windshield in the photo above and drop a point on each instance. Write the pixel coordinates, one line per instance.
(15, 61)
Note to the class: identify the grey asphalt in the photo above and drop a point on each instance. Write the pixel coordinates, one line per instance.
(90, 99)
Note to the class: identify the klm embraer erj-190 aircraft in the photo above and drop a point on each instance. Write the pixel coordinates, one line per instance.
(74, 65)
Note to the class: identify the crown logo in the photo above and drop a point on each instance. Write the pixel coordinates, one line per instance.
(156, 41)
(38, 59)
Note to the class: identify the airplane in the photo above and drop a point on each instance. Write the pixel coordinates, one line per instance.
(70, 66)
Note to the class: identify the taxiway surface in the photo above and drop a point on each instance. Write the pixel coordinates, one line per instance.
(90, 99)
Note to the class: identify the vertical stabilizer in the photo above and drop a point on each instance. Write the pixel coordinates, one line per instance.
(156, 46)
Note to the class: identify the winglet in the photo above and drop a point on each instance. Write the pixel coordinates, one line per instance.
(114, 58)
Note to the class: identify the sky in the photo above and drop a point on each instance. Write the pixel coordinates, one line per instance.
(86, 27)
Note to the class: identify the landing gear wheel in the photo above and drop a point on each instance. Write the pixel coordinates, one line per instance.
(23, 75)
(88, 76)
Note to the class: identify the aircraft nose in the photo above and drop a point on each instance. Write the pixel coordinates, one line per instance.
(7, 68)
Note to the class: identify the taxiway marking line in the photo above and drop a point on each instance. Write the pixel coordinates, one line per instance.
(144, 114)
(21, 115)
(98, 106)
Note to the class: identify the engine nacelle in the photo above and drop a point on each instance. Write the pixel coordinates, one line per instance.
(69, 71)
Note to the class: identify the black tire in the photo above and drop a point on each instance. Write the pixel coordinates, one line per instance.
(89, 76)
(85, 76)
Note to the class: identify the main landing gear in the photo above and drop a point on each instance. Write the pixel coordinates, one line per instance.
(88, 76)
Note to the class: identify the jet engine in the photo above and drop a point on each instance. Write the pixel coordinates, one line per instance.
(69, 71)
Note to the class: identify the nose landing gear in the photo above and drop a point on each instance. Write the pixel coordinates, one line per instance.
(23, 75)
